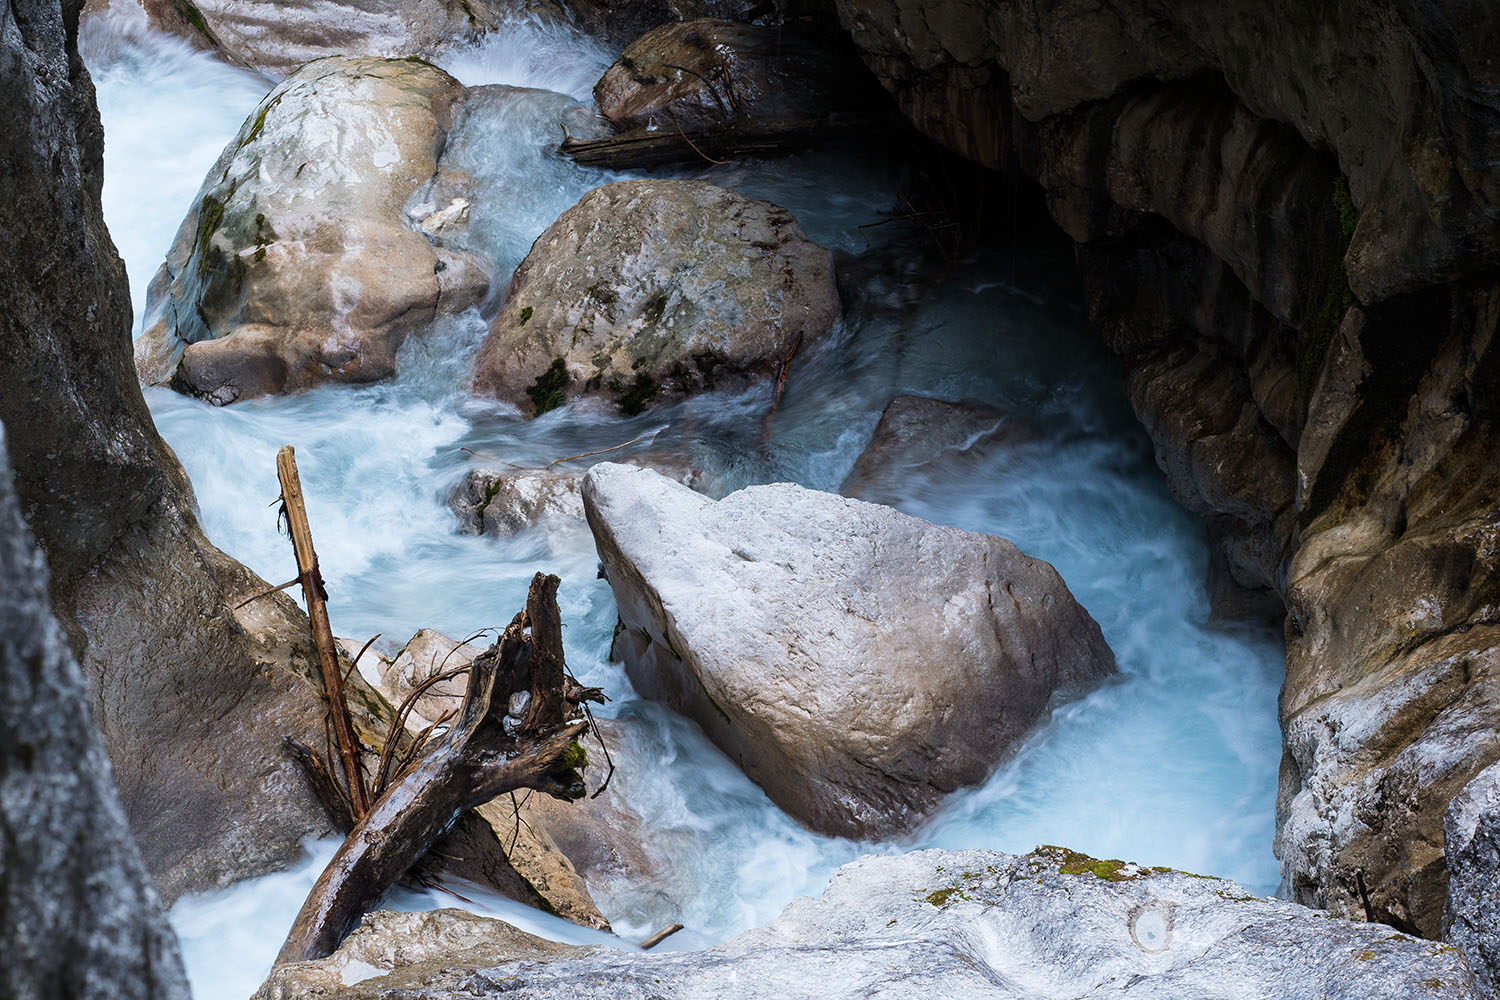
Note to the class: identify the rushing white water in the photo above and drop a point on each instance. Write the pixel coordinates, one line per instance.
(1173, 763)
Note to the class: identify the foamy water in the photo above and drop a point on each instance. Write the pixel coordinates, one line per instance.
(1173, 763)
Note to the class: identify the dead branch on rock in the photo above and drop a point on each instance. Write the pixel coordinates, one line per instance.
(316, 595)
(659, 937)
(517, 727)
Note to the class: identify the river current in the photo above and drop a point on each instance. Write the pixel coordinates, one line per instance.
(1173, 763)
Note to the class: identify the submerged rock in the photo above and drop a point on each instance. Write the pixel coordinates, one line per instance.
(972, 924)
(647, 289)
(297, 264)
(916, 432)
(1471, 838)
(856, 662)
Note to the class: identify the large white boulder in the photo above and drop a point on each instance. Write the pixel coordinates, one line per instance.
(858, 663)
(974, 924)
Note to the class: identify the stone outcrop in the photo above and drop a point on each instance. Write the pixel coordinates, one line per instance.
(857, 663)
(1471, 919)
(275, 38)
(916, 433)
(620, 22)
(191, 708)
(297, 264)
(1286, 230)
(972, 924)
(647, 289)
(81, 915)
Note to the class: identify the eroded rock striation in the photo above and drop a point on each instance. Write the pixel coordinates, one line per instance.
(646, 289)
(974, 924)
(856, 662)
(1471, 833)
(1286, 229)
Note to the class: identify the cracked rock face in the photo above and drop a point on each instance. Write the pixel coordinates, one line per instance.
(972, 924)
(647, 289)
(858, 663)
(297, 265)
(1471, 919)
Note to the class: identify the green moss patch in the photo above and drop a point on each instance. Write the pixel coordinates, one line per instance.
(1110, 870)
(546, 392)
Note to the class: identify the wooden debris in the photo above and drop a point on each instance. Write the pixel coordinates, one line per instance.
(317, 613)
(518, 727)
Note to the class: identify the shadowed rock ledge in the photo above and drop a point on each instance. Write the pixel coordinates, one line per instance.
(1286, 226)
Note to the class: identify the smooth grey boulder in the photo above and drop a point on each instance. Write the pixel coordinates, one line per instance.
(856, 662)
(653, 288)
(81, 917)
(974, 924)
(1471, 840)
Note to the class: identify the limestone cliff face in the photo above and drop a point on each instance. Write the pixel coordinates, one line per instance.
(1286, 225)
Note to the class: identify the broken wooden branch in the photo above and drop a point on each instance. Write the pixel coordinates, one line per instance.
(516, 727)
(660, 936)
(317, 614)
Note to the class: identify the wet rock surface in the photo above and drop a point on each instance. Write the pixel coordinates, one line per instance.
(931, 923)
(81, 915)
(649, 289)
(857, 663)
(276, 38)
(917, 432)
(1471, 919)
(297, 265)
(1306, 312)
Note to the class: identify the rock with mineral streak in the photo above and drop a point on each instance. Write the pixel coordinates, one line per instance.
(974, 924)
(858, 663)
(652, 288)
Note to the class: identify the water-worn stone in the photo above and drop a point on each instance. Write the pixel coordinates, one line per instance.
(277, 37)
(916, 432)
(856, 662)
(646, 289)
(81, 916)
(191, 705)
(297, 264)
(501, 502)
(973, 924)
(1471, 919)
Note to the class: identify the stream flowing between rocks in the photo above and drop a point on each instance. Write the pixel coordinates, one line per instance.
(1172, 763)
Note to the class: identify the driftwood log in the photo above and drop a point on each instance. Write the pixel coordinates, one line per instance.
(643, 147)
(517, 727)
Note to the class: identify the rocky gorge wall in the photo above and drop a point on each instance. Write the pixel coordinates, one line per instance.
(1285, 223)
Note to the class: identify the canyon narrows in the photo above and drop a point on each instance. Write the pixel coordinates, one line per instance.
(898, 251)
